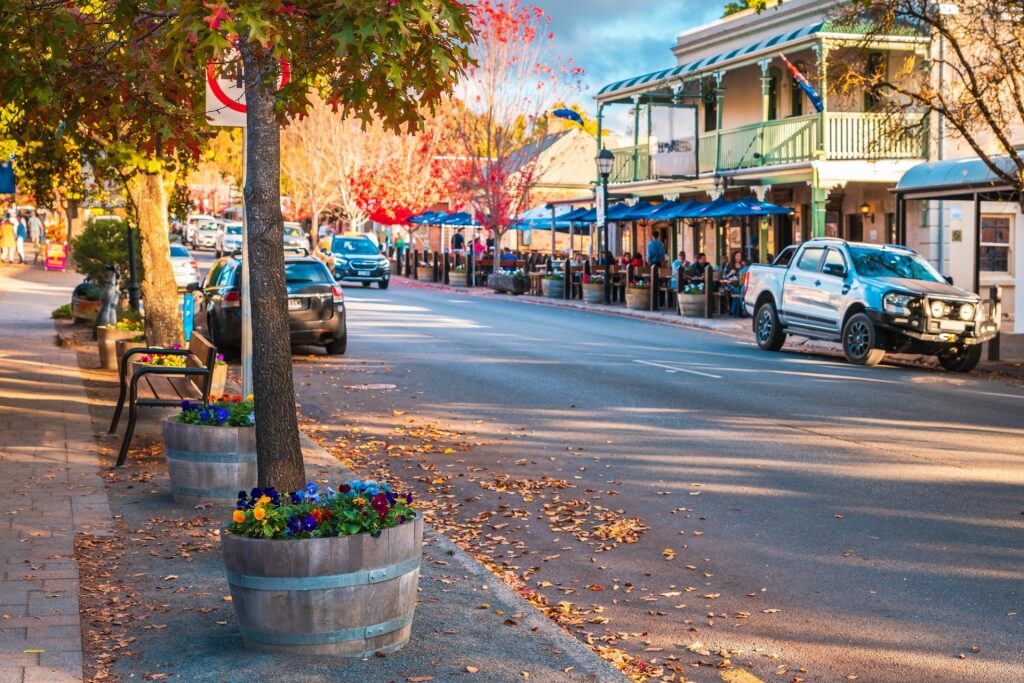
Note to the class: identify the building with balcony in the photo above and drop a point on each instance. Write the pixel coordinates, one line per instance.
(728, 118)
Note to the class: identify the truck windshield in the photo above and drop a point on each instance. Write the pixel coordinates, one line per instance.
(888, 263)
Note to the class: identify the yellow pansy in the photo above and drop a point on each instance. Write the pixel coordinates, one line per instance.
(238, 516)
(359, 501)
(259, 513)
(263, 500)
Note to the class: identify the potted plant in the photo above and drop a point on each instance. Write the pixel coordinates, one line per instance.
(161, 359)
(324, 572)
(691, 300)
(553, 286)
(86, 300)
(107, 337)
(458, 277)
(122, 345)
(211, 450)
(638, 295)
(424, 271)
(509, 281)
(593, 288)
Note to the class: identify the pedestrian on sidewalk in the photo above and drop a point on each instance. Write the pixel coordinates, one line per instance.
(36, 233)
(8, 239)
(20, 234)
(458, 243)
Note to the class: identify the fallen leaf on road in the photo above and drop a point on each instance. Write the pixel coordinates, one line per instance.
(169, 577)
(419, 679)
(472, 669)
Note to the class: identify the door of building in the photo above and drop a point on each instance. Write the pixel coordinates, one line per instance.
(854, 228)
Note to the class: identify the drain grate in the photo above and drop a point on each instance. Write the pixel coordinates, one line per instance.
(370, 387)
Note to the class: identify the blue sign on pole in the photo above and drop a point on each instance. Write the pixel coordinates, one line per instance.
(188, 305)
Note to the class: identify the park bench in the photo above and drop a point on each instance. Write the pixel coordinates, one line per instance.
(156, 385)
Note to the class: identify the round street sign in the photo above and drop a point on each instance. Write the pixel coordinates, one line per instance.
(225, 92)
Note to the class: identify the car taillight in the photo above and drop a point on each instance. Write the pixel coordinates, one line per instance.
(337, 292)
(232, 299)
(746, 282)
(195, 265)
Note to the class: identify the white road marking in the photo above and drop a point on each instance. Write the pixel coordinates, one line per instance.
(672, 368)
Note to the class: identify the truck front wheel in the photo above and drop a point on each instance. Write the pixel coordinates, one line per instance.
(860, 341)
(767, 328)
(961, 360)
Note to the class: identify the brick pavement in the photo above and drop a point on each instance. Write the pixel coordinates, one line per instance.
(53, 489)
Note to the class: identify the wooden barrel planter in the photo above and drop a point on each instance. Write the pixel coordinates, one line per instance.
(691, 305)
(593, 292)
(84, 310)
(348, 596)
(219, 380)
(458, 278)
(122, 345)
(425, 273)
(553, 289)
(107, 339)
(638, 299)
(209, 464)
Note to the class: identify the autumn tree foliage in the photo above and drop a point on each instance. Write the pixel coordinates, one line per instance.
(979, 50)
(506, 96)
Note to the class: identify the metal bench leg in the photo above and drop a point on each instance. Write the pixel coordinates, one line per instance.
(120, 407)
(127, 441)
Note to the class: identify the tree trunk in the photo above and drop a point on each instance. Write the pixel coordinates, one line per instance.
(159, 291)
(278, 452)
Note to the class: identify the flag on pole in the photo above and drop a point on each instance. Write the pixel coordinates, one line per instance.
(568, 115)
(805, 85)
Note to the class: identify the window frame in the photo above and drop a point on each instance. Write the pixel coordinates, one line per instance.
(803, 254)
(1007, 245)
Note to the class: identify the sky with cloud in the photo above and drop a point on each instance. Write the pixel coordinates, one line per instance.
(616, 39)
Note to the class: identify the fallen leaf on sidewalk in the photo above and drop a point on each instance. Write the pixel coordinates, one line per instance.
(419, 679)
(169, 577)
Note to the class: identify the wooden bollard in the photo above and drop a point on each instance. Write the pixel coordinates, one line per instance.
(567, 276)
(654, 288)
(447, 266)
(709, 292)
(437, 267)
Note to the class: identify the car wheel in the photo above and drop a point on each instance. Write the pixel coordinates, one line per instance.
(367, 284)
(338, 346)
(961, 360)
(860, 341)
(768, 329)
(383, 284)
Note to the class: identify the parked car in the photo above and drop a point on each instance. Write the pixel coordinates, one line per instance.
(294, 237)
(357, 259)
(873, 299)
(316, 304)
(186, 270)
(206, 235)
(192, 223)
(232, 240)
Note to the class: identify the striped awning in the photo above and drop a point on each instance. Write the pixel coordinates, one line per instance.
(708, 63)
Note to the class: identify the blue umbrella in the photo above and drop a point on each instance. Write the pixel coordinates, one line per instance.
(748, 206)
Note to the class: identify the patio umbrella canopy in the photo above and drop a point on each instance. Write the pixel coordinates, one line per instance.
(748, 206)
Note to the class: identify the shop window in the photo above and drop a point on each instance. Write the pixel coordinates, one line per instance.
(994, 250)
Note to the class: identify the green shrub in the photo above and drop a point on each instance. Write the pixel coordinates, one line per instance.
(100, 243)
(62, 312)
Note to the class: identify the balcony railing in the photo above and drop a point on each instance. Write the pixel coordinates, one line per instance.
(835, 136)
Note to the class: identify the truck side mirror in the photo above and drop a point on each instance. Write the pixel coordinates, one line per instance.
(835, 269)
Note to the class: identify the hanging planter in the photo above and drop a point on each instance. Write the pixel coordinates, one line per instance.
(324, 573)
(211, 451)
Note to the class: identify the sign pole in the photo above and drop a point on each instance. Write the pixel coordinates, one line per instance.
(246, 305)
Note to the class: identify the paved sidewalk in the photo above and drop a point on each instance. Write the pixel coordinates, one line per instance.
(52, 488)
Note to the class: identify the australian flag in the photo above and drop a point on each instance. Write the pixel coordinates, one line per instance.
(7, 177)
(805, 85)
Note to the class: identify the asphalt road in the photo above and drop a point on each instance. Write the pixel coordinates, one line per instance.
(848, 521)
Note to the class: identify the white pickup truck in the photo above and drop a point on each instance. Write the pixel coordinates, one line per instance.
(872, 298)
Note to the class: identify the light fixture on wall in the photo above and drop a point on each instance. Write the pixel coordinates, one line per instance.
(866, 212)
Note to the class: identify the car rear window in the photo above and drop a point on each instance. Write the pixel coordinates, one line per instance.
(316, 273)
(178, 250)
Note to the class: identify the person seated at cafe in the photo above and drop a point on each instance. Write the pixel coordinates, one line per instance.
(637, 261)
(507, 255)
(625, 259)
(680, 265)
(731, 269)
(698, 267)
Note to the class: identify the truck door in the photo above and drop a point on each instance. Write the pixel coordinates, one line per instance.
(830, 288)
(799, 289)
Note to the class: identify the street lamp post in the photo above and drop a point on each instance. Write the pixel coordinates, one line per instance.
(605, 160)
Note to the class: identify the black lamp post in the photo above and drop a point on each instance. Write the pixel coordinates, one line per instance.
(605, 160)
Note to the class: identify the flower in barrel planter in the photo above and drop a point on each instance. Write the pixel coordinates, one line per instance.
(691, 299)
(211, 449)
(638, 295)
(324, 571)
(458, 277)
(593, 288)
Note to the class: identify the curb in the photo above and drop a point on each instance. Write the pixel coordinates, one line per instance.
(575, 652)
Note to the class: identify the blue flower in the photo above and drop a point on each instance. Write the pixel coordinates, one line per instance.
(390, 496)
(252, 418)
(273, 495)
(308, 523)
(186, 405)
(256, 492)
(296, 497)
(241, 495)
(408, 498)
(222, 414)
(294, 524)
(204, 415)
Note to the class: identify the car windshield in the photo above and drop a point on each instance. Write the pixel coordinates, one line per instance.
(891, 263)
(179, 251)
(297, 273)
(293, 232)
(234, 230)
(209, 227)
(353, 245)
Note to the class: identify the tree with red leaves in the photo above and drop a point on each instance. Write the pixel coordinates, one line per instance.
(503, 125)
